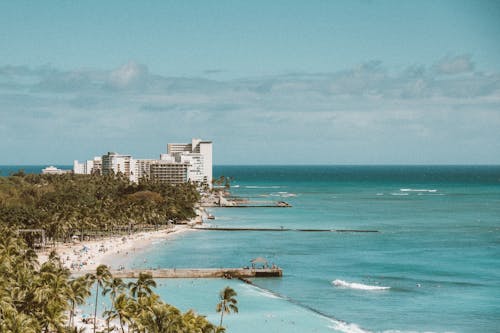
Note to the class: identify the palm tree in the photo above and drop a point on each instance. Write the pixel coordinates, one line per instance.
(143, 285)
(78, 290)
(113, 287)
(19, 323)
(101, 276)
(123, 309)
(227, 302)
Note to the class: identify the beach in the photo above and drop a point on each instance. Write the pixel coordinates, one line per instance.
(112, 251)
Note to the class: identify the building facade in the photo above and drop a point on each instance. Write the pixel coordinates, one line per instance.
(168, 172)
(183, 162)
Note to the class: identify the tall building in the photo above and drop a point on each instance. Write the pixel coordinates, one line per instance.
(198, 154)
(142, 168)
(183, 162)
(169, 172)
(88, 167)
(117, 163)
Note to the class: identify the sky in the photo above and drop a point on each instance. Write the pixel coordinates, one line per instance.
(269, 82)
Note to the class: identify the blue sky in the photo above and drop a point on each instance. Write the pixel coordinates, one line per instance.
(274, 82)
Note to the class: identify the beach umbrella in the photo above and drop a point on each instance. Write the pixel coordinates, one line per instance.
(259, 260)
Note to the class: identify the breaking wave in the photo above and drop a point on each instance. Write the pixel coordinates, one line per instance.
(418, 190)
(359, 286)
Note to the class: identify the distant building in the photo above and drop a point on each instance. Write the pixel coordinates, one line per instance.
(88, 167)
(183, 162)
(168, 172)
(116, 163)
(198, 154)
(142, 169)
(52, 170)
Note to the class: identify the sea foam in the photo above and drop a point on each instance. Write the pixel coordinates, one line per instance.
(359, 286)
(418, 190)
(346, 327)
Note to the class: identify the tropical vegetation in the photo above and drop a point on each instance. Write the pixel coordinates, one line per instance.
(227, 303)
(42, 298)
(85, 205)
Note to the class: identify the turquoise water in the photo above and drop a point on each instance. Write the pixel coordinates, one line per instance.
(438, 249)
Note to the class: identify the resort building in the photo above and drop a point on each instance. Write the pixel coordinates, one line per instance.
(116, 163)
(198, 154)
(142, 168)
(183, 162)
(168, 172)
(88, 167)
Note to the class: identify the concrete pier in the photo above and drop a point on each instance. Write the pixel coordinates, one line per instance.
(172, 273)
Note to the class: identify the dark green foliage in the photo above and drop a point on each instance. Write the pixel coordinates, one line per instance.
(65, 204)
(36, 298)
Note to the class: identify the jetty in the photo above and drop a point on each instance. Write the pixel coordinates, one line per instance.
(192, 273)
(283, 229)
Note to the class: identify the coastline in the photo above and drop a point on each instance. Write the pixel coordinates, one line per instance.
(114, 251)
(87, 255)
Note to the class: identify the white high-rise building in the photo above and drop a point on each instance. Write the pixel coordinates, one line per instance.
(183, 162)
(88, 167)
(198, 154)
(117, 163)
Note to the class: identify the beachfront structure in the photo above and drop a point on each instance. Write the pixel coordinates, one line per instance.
(169, 172)
(114, 163)
(183, 162)
(52, 170)
(142, 168)
(88, 167)
(198, 154)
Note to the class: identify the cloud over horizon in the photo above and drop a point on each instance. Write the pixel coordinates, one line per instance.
(445, 113)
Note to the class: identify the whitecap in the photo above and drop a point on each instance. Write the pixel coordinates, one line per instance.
(359, 286)
(346, 327)
(418, 190)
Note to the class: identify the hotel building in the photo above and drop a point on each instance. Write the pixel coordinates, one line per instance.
(183, 162)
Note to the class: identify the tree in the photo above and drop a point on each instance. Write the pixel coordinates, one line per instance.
(143, 285)
(77, 292)
(227, 303)
(101, 276)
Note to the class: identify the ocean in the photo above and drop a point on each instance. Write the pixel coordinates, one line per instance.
(434, 265)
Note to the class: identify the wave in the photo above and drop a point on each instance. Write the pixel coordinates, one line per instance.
(283, 194)
(346, 327)
(418, 190)
(359, 286)
(399, 194)
(338, 325)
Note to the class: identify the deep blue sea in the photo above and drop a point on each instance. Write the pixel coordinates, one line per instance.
(437, 250)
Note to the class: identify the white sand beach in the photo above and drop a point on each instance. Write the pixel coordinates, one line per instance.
(112, 251)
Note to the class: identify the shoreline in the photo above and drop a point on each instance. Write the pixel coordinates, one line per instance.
(88, 255)
(113, 251)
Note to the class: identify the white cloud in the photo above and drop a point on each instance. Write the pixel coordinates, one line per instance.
(366, 108)
(128, 74)
(454, 65)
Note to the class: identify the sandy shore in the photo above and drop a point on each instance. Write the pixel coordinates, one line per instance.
(112, 251)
